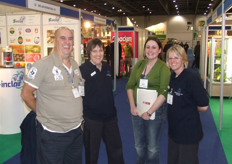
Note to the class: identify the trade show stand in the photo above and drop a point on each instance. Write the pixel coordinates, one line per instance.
(12, 107)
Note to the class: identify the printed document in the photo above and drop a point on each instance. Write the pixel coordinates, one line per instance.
(145, 99)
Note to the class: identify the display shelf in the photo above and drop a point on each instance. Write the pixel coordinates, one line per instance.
(214, 67)
(214, 89)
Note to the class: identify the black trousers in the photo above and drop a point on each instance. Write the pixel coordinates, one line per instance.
(59, 148)
(182, 153)
(94, 131)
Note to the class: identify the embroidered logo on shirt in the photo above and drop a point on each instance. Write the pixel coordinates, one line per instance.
(178, 92)
(57, 73)
(76, 72)
(32, 72)
(108, 73)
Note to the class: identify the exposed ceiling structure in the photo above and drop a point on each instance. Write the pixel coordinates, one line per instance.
(113, 8)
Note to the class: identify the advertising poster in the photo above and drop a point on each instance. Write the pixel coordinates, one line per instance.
(126, 36)
(53, 22)
(24, 36)
(18, 52)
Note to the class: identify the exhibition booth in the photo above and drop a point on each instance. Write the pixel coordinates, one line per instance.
(216, 54)
(93, 26)
(26, 35)
(214, 36)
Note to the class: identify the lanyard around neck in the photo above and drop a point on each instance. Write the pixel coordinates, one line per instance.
(70, 74)
(144, 74)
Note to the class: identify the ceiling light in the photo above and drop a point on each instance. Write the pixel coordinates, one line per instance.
(208, 7)
(148, 9)
(176, 5)
(84, 8)
(61, 1)
(177, 8)
(210, 4)
(204, 13)
(150, 12)
(174, 1)
(144, 6)
(113, 7)
(74, 5)
(124, 13)
(105, 3)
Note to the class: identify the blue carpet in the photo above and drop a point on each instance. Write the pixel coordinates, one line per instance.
(210, 150)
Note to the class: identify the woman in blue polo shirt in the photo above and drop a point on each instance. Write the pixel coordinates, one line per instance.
(186, 98)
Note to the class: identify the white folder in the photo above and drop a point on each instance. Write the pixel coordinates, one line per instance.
(145, 99)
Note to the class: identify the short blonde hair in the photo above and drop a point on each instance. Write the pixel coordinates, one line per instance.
(179, 51)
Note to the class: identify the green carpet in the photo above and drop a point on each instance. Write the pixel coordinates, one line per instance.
(226, 132)
(10, 145)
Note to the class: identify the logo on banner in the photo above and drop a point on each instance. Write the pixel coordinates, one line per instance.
(21, 20)
(12, 30)
(125, 38)
(56, 19)
(16, 81)
(20, 40)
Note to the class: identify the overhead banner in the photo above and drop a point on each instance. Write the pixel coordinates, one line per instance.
(45, 7)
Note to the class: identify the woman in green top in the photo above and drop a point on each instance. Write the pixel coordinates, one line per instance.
(151, 74)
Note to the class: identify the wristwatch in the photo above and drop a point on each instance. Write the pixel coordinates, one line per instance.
(149, 114)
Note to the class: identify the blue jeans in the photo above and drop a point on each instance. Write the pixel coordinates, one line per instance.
(147, 136)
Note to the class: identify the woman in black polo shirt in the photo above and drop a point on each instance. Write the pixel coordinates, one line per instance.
(99, 109)
(186, 98)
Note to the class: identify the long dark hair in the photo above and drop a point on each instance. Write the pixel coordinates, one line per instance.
(157, 41)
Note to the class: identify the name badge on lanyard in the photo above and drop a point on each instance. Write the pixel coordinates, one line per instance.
(143, 83)
(75, 93)
(170, 97)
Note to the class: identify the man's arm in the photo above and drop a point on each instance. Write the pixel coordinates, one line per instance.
(28, 96)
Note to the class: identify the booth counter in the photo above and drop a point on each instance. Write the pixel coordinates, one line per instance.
(12, 108)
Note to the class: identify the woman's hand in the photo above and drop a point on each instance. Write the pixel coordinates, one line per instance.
(134, 111)
(145, 116)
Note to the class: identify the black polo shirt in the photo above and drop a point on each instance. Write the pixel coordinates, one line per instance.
(183, 117)
(98, 102)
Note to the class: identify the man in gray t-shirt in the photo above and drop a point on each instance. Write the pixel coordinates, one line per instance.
(57, 82)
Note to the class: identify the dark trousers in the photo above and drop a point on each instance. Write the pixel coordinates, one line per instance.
(59, 148)
(94, 131)
(182, 153)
